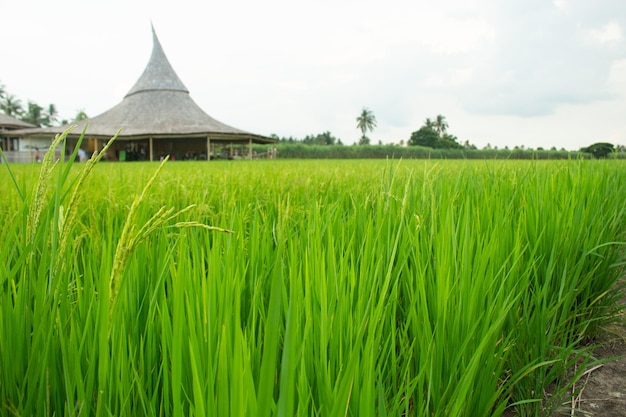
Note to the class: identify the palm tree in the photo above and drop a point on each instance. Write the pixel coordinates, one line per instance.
(50, 115)
(11, 106)
(2, 91)
(440, 125)
(429, 123)
(81, 115)
(366, 121)
(34, 115)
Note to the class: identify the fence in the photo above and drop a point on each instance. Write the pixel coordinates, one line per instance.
(23, 157)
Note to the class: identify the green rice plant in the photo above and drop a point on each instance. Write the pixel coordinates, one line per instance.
(33, 292)
(50, 215)
(569, 263)
(387, 288)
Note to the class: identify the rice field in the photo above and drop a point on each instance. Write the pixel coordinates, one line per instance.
(308, 288)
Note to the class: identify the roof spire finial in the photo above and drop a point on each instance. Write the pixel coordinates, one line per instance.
(152, 27)
(159, 74)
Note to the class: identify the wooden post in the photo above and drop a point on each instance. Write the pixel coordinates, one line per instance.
(208, 148)
(250, 148)
(151, 149)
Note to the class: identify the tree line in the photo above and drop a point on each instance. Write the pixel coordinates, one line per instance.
(434, 135)
(32, 113)
(299, 150)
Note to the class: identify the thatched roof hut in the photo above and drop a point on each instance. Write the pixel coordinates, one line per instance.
(157, 117)
(11, 123)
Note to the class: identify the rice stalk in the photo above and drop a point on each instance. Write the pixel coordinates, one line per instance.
(67, 214)
(131, 237)
(42, 186)
(351, 288)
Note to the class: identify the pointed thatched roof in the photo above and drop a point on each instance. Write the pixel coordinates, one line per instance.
(157, 106)
(159, 74)
(11, 123)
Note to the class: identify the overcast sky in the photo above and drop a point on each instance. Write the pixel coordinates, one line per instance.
(505, 72)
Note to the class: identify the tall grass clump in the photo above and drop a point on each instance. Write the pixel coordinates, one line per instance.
(387, 288)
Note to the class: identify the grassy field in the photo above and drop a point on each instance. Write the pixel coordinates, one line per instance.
(280, 288)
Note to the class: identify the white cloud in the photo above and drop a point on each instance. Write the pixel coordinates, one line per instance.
(449, 36)
(617, 78)
(611, 33)
(530, 72)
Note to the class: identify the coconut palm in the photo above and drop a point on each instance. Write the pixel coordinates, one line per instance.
(428, 123)
(440, 125)
(11, 106)
(366, 121)
(34, 115)
(50, 115)
(81, 115)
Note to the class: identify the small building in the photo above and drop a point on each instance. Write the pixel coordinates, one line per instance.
(157, 117)
(14, 149)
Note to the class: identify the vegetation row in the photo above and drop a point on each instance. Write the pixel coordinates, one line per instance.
(297, 150)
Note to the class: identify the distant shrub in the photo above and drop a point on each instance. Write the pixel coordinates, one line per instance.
(303, 151)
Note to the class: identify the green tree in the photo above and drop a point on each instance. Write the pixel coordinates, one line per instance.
(599, 150)
(50, 115)
(448, 141)
(468, 145)
(433, 134)
(440, 125)
(366, 121)
(364, 140)
(425, 136)
(39, 116)
(81, 115)
(11, 106)
(325, 138)
(34, 114)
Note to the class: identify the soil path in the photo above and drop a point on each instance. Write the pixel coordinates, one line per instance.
(604, 389)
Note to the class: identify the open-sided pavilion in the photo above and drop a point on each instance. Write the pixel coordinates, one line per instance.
(157, 117)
